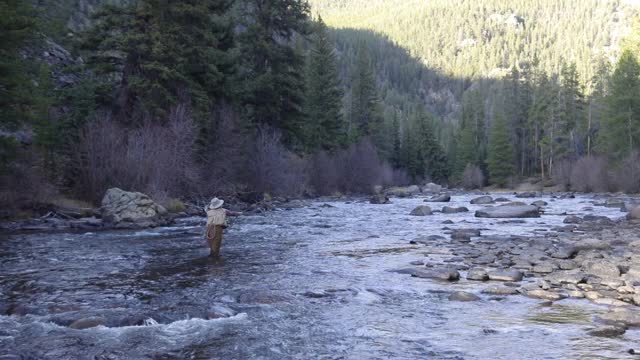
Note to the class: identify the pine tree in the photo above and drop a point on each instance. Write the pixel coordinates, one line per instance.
(324, 124)
(622, 130)
(572, 97)
(271, 73)
(365, 117)
(165, 53)
(466, 150)
(500, 157)
(17, 28)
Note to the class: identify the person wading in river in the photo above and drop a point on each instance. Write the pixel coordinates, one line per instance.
(216, 223)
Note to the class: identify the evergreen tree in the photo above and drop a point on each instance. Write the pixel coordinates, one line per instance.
(324, 125)
(572, 110)
(622, 130)
(272, 69)
(365, 116)
(17, 27)
(500, 157)
(466, 150)
(164, 53)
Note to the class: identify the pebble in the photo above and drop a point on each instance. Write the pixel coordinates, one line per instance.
(463, 296)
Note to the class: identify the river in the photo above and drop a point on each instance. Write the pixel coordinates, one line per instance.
(310, 283)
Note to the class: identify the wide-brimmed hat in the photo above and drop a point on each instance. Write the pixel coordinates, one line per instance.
(216, 203)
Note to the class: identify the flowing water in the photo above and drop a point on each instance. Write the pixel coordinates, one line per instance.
(311, 283)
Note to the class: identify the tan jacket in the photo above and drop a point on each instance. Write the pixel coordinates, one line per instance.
(217, 217)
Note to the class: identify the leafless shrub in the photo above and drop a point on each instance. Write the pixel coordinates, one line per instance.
(561, 173)
(272, 169)
(400, 177)
(323, 174)
(154, 159)
(472, 177)
(361, 168)
(589, 174)
(627, 177)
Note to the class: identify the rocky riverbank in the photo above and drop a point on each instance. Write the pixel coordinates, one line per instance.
(591, 257)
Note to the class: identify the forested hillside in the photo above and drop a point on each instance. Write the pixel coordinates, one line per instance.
(185, 99)
(544, 66)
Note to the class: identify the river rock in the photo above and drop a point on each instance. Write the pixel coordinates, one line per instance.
(622, 316)
(526, 211)
(407, 191)
(422, 210)
(124, 209)
(545, 295)
(610, 302)
(563, 252)
(608, 331)
(482, 200)
(544, 268)
(507, 275)
(477, 274)
(454, 210)
(379, 199)
(601, 268)
(444, 274)
(500, 290)
(463, 296)
(566, 277)
(572, 219)
(539, 203)
(87, 323)
(501, 199)
(528, 194)
(439, 198)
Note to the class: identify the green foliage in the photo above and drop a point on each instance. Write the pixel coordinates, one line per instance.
(500, 157)
(422, 155)
(17, 27)
(159, 53)
(324, 124)
(271, 75)
(364, 108)
(622, 131)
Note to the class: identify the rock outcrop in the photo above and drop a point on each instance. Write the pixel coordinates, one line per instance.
(131, 210)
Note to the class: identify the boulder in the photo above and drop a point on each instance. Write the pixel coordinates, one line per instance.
(545, 295)
(293, 204)
(379, 199)
(407, 191)
(439, 198)
(87, 323)
(454, 210)
(626, 316)
(463, 296)
(477, 275)
(539, 203)
(507, 275)
(219, 311)
(482, 200)
(421, 210)
(513, 203)
(528, 194)
(526, 211)
(444, 275)
(566, 277)
(130, 210)
(432, 188)
(500, 290)
(601, 268)
(572, 219)
(608, 331)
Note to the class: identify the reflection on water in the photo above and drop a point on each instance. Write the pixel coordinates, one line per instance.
(299, 284)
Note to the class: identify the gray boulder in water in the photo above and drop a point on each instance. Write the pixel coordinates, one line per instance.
(439, 198)
(379, 199)
(524, 211)
(131, 210)
(482, 200)
(422, 210)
